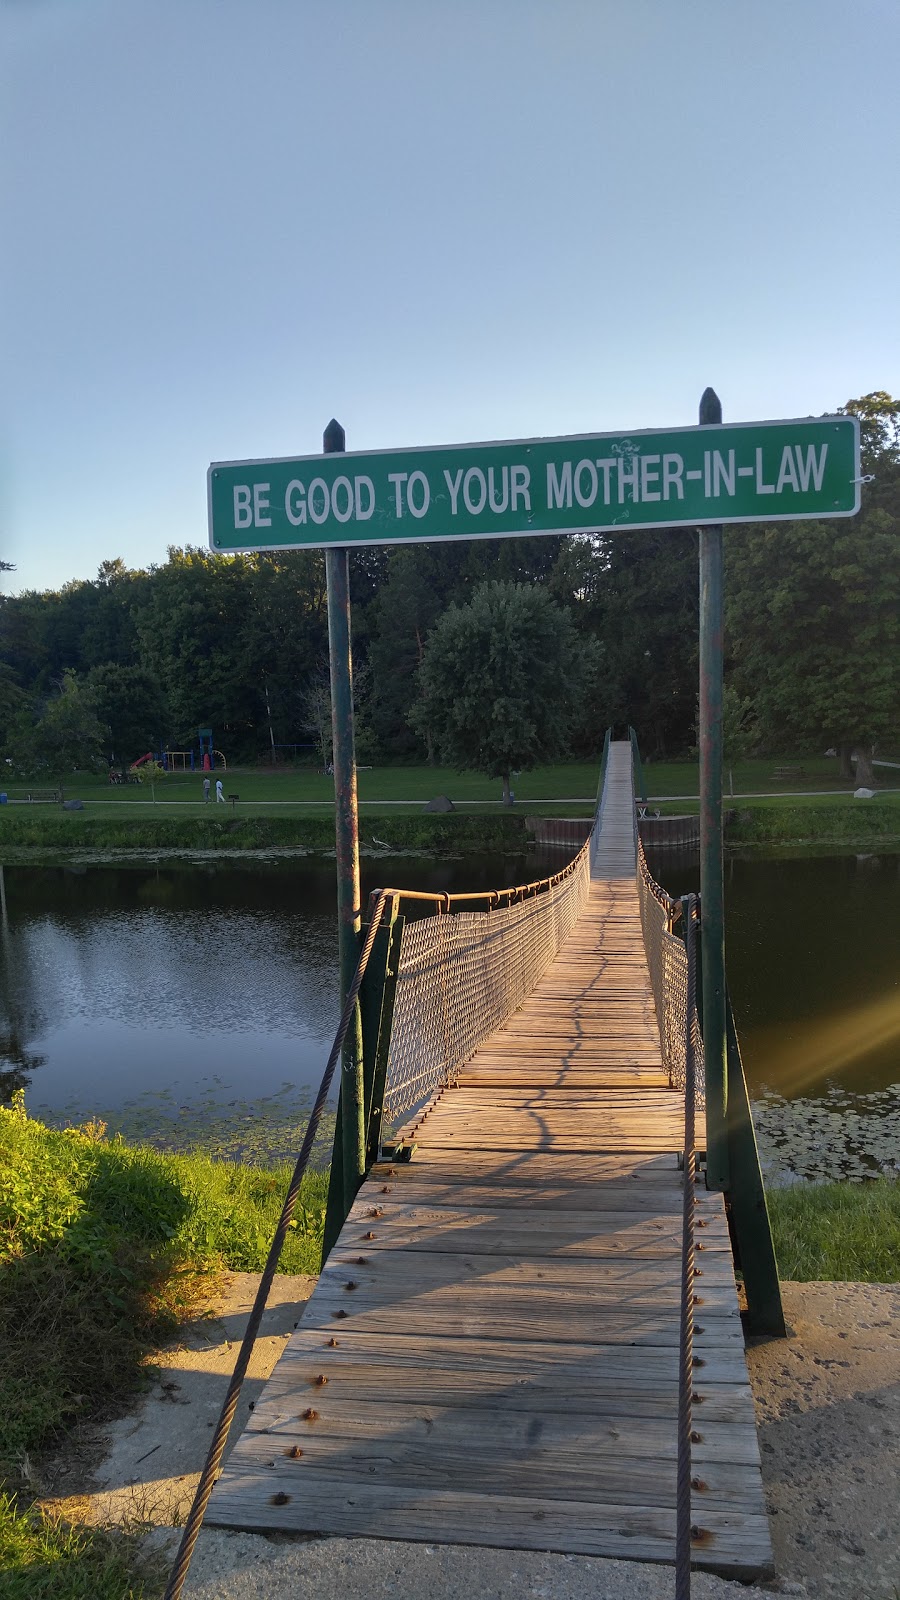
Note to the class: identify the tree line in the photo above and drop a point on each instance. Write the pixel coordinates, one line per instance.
(494, 654)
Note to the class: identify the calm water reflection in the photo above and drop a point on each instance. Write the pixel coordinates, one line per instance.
(182, 987)
(153, 994)
(812, 950)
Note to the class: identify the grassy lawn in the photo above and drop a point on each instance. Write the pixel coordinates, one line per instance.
(838, 1232)
(383, 790)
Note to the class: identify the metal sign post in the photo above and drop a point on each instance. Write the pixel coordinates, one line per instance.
(712, 876)
(351, 1108)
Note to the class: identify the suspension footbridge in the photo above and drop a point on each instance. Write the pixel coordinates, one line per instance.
(492, 1352)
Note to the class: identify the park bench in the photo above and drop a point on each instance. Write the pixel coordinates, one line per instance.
(34, 797)
(788, 772)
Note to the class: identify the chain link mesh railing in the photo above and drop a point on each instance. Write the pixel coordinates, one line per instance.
(667, 960)
(462, 975)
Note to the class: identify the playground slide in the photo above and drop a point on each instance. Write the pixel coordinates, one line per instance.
(141, 759)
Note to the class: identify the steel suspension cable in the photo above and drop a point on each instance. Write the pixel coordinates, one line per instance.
(683, 1528)
(223, 1426)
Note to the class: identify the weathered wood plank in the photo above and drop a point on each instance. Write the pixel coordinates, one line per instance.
(731, 1541)
(494, 1432)
(491, 1355)
(585, 1373)
(528, 1456)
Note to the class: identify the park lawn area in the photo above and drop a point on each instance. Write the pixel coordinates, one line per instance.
(305, 786)
(757, 777)
(690, 803)
(414, 786)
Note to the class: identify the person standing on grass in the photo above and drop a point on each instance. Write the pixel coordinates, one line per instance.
(206, 790)
(220, 793)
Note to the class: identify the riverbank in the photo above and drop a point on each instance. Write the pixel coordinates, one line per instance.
(45, 830)
(45, 833)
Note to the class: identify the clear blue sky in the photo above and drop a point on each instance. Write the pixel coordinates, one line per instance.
(439, 220)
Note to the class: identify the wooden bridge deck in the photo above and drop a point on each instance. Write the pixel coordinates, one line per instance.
(491, 1353)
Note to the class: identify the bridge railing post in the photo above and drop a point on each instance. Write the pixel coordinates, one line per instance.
(376, 1008)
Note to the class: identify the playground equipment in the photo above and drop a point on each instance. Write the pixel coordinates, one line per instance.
(204, 759)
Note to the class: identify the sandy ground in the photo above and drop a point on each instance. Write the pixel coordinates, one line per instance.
(828, 1404)
(828, 1408)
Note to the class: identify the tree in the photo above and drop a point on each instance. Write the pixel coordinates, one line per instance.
(639, 601)
(132, 708)
(67, 733)
(879, 429)
(813, 613)
(740, 729)
(498, 681)
(317, 712)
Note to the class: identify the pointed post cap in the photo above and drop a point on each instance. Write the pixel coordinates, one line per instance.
(334, 440)
(710, 408)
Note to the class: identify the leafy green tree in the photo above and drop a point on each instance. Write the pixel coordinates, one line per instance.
(740, 729)
(131, 706)
(14, 704)
(638, 598)
(813, 615)
(67, 733)
(879, 429)
(498, 681)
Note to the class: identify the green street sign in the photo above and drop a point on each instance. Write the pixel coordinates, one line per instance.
(586, 483)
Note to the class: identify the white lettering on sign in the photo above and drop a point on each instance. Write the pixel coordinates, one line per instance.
(628, 479)
(418, 485)
(476, 476)
(723, 473)
(787, 472)
(673, 467)
(453, 485)
(398, 479)
(570, 483)
(295, 503)
(520, 488)
(498, 504)
(359, 484)
(761, 486)
(649, 474)
(342, 499)
(585, 487)
(605, 464)
(243, 511)
(811, 467)
(559, 488)
(317, 487)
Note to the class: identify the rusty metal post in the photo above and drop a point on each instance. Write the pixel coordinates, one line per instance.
(712, 877)
(351, 1109)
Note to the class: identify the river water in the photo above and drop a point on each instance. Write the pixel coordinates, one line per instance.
(191, 1002)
